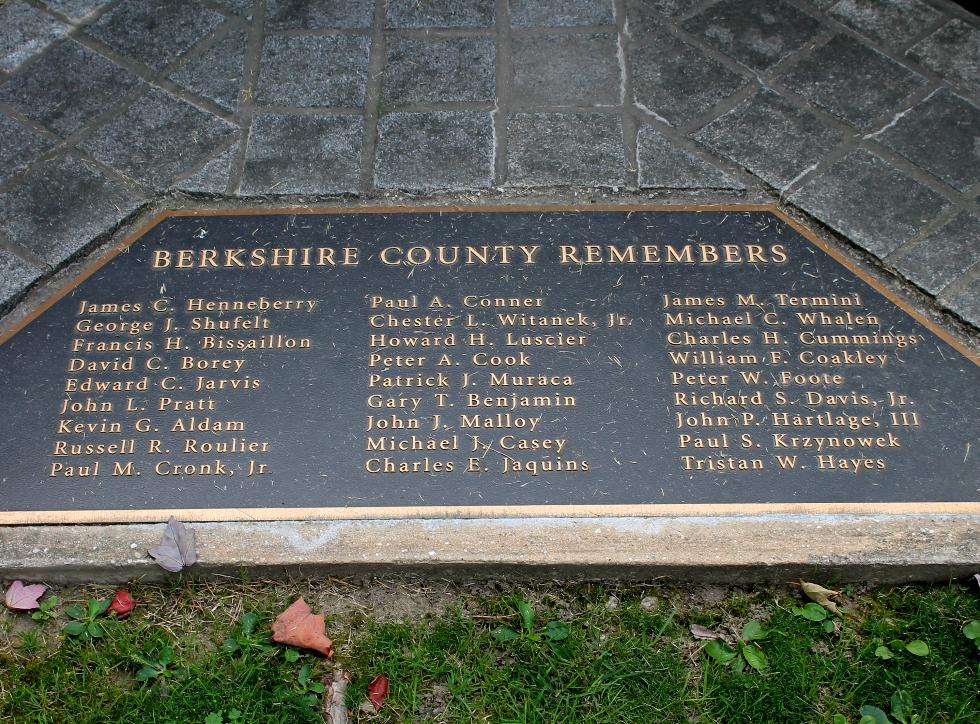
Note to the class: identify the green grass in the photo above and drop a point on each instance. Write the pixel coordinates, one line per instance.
(619, 663)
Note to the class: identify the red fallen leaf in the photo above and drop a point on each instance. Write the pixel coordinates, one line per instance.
(122, 604)
(24, 598)
(299, 626)
(377, 691)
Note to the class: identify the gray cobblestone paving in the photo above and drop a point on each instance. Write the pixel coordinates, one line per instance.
(294, 14)
(942, 256)
(893, 23)
(858, 196)
(68, 87)
(442, 149)
(154, 32)
(217, 73)
(757, 33)
(550, 148)
(795, 138)
(664, 164)
(26, 32)
(15, 274)
(20, 146)
(865, 114)
(289, 154)
(439, 70)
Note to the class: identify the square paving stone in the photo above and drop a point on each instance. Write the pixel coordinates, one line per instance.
(770, 137)
(240, 7)
(852, 81)
(757, 33)
(68, 87)
(154, 32)
(890, 22)
(555, 13)
(24, 32)
(61, 206)
(291, 154)
(15, 274)
(443, 150)
(566, 69)
(212, 177)
(953, 52)
(76, 9)
(313, 70)
(439, 69)
(675, 80)
(565, 149)
(19, 145)
(964, 299)
(941, 135)
(936, 260)
(642, 15)
(158, 138)
(440, 13)
(217, 74)
(870, 202)
(663, 164)
(314, 15)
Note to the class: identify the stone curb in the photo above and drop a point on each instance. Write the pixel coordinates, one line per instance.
(720, 550)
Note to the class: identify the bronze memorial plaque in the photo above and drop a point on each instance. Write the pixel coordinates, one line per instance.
(481, 362)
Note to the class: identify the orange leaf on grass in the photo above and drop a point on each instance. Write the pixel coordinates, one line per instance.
(299, 626)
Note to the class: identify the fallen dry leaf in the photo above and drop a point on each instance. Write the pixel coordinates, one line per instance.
(24, 598)
(334, 708)
(702, 633)
(299, 626)
(377, 691)
(177, 550)
(819, 594)
(122, 603)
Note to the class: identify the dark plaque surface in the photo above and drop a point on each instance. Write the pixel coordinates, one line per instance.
(420, 362)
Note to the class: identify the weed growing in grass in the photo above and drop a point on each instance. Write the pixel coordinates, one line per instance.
(222, 717)
(972, 631)
(897, 647)
(746, 653)
(246, 637)
(156, 671)
(47, 610)
(306, 690)
(553, 630)
(818, 614)
(84, 624)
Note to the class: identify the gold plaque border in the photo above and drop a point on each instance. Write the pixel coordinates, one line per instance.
(53, 517)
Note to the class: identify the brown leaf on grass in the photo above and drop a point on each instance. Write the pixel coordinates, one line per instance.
(177, 550)
(702, 633)
(299, 626)
(377, 691)
(819, 594)
(24, 598)
(334, 708)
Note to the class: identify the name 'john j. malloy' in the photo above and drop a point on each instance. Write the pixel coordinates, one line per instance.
(453, 255)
